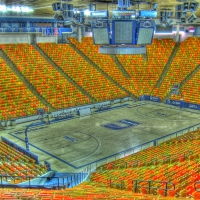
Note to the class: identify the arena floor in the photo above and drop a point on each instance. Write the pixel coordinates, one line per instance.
(72, 144)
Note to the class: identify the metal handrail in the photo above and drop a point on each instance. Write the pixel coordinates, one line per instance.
(135, 163)
(149, 187)
(196, 189)
(152, 143)
(169, 156)
(135, 185)
(110, 182)
(72, 180)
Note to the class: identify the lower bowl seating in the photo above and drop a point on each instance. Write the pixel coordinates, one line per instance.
(18, 165)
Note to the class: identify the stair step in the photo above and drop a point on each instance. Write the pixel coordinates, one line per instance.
(14, 68)
(46, 57)
(101, 71)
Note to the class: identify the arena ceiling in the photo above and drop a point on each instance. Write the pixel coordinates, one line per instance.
(44, 7)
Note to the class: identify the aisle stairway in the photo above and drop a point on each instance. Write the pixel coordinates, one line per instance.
(59, 92)
(191, 90)
(185, 61)
(121, 68)
(188, 90)
(47, 58)
(84, 74)
(144, 75)
(167, 66)
(16, 100)
(106, 64)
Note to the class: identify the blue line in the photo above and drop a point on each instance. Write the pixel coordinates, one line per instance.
(111, 108)
(47, 153)
(138, 146)
(106, 156)
(174, 108)
(109, 155)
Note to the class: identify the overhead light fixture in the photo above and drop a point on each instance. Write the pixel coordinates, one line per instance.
(192, 18)
(186, 7)
(194, 6)
(183, 17)
(169, 14)
(133, 16)
(155, 6)
(4, 8)
(26, 9)
(16, 9)
(169, 22)
(87, 12)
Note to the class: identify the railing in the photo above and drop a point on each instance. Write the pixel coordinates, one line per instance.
(148, 185)
(42, 182)
(94, 165)
(170, 157)
(196, 183)
(164, 185)
(156, 160)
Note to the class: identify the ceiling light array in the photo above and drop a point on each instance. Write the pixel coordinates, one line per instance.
(23, 9)
(166, 17)
(190, 6)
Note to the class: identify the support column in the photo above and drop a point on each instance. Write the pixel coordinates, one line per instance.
(79, 33)
(177, 33)
(83, 31)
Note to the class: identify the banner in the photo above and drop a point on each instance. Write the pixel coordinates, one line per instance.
(56, 31)
(144, 97)
(173, 102)
(192, 106)
(48, 31)
(152, 98)
(149, 98)
(43, 31)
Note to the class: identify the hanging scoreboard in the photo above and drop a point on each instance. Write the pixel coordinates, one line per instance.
(100, 32)
(123, 32)
(145, 32)
(100, 36)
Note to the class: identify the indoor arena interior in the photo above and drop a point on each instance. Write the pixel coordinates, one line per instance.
(99, 100)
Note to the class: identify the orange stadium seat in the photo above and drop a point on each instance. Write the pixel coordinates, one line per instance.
(16, 99)
(59, 92)
(15, 163)
(85, 75)
(146, 74)
(104, 62)
(175, 161)
(185, 61)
